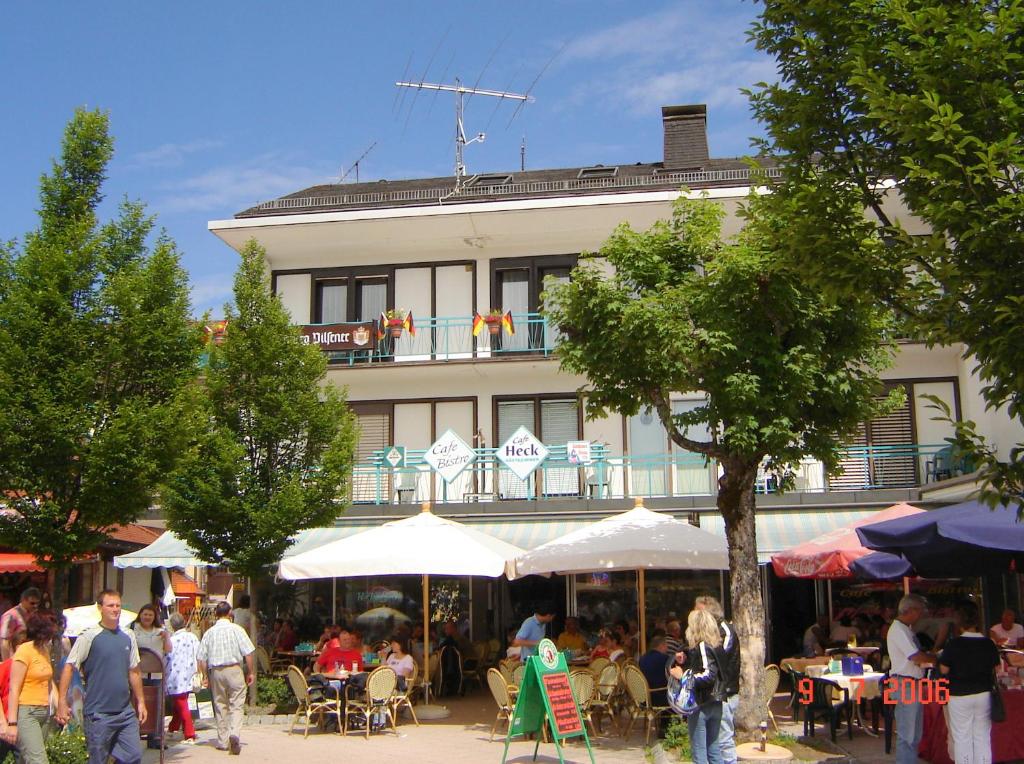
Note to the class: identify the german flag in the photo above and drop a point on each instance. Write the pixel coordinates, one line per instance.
(478, 324)
(506, 321)
(382, 327)
(409, 325)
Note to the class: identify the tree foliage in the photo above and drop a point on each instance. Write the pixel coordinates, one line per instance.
(785, 372)
(273, 450)
(922, 99)
(96, 347)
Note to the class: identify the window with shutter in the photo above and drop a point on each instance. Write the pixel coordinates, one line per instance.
(559, 423)
(881, 454)
(374, 435)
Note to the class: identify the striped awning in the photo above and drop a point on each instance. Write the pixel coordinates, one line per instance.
(168, 551)
(783, 529)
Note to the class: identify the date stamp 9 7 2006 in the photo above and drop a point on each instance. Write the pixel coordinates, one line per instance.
(896, 690)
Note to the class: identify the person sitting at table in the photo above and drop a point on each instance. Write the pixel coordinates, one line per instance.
(616, 648)
(841, 631)
(1007, 633)
(330, 632)
(674, 636)
(655, 664)
(400, 660)
(602, 648)
(969, 662)
(342, 654)
(286, 637)
(816, 637)
(571, 638)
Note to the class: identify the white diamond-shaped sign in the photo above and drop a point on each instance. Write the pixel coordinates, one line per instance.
(395, 456)
(522, 453)
(449, 455)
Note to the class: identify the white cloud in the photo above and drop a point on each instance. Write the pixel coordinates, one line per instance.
(692, 52)
(171, 154)
(230, 188)
(209, 293)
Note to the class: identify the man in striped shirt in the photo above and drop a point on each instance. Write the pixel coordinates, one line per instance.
(225, 650)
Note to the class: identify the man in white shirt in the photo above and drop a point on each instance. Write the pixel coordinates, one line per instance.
(908, 661)
(1006, 633)
(226, 662)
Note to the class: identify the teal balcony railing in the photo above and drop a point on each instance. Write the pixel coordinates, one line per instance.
(626, 476)
(451, 339)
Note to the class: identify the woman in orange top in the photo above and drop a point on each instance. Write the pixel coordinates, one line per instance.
(28, 712)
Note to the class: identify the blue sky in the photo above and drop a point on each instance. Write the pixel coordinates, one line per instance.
(217, 105)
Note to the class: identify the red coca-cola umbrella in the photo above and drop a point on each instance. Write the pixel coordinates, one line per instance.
(831, 554)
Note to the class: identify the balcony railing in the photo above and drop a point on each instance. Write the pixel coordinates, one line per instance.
(627, 476)
(443, 339)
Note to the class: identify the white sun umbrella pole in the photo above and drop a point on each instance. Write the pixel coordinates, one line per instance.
(638, 540)
(422, 545)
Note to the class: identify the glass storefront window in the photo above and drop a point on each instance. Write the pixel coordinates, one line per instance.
(869, 604)
(604, 599)
(671, 593)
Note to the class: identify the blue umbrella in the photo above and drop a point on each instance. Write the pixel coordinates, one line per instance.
(881, 566)
(967, 539)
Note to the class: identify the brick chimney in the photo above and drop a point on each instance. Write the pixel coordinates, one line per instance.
(686, 136)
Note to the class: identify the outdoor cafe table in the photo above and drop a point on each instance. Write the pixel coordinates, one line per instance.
(862, 687)
(300, 657)
(1007, 737)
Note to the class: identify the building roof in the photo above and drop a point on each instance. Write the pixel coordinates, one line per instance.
(568, 181)
(143, 535)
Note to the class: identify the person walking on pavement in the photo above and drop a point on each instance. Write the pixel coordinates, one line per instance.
(225, 649)
(108, 659)
(908, 662)
(729, 666)
(12, 624)
(182, 665)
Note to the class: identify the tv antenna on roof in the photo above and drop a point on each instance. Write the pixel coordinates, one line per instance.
(460, 133)
(355, 165)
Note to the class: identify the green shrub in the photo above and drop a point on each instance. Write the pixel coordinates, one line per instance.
(272, 691)
(67, 748)
(677, 738)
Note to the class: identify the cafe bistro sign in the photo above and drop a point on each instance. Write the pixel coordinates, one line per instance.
(449, 455)
(353, 336)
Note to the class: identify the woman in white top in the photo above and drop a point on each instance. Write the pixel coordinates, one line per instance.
(400, 660)
(615, 648)
(150, 633)
(182, 664)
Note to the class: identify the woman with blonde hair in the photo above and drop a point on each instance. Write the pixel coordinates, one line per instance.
(703, 634)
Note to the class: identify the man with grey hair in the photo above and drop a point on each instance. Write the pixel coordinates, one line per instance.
(908, 662)
(728, 655)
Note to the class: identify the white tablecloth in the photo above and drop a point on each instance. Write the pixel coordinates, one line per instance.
(864, 687)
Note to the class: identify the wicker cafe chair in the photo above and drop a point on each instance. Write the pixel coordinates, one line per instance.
(265, 666)
(603, 701)
(597, 665)
(640, 702)
(377, 698)
(404, 697)
(507, 667)
(584, 687)
(312, 701)
(499, 691)
(518, 673)
(772, 674)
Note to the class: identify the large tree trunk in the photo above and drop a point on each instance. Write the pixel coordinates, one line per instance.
(736, 503)
(59, 593)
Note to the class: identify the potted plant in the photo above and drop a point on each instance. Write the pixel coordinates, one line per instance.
(493, 320)
(394, 319)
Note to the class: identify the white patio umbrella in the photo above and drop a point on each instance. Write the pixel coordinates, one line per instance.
(635, 540)
(424, 545)
(86, 616)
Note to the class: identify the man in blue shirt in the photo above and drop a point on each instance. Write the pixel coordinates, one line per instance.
(533, 630)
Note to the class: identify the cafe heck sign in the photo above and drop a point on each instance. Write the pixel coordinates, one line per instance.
(449, 455)
(522, 453)
(350, 336)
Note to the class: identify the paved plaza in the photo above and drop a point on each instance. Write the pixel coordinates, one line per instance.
(463, 739)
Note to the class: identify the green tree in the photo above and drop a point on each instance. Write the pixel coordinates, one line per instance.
(274, 449)
(920, 99)
(786, 373)
(96, 347)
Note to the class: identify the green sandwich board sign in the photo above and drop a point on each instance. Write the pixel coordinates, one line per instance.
(545, 696)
